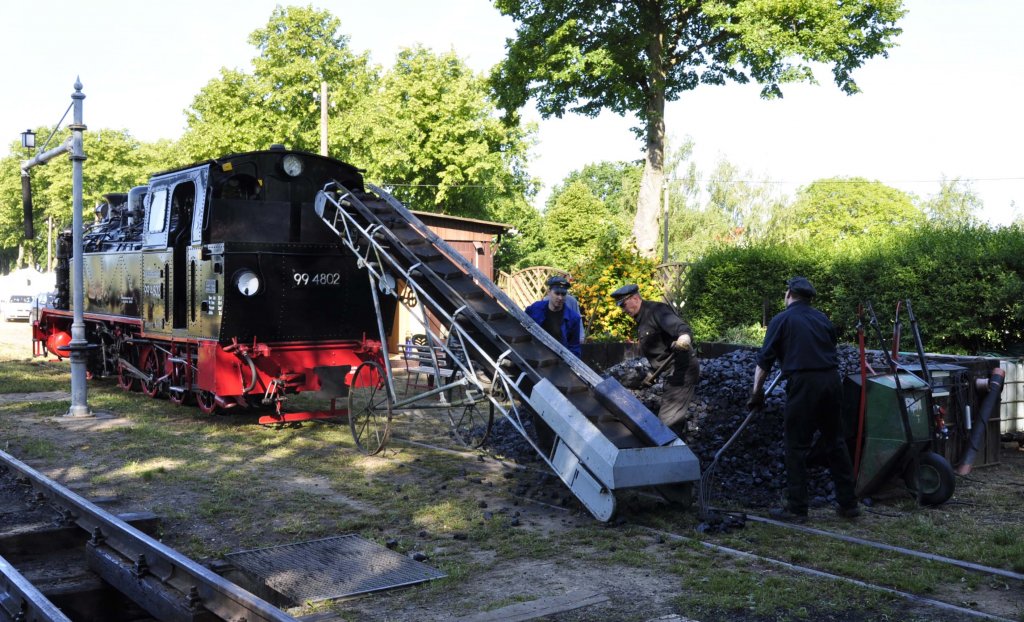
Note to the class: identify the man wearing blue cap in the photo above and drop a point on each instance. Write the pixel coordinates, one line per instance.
(663, 334)
(557, 318)
(803, 340)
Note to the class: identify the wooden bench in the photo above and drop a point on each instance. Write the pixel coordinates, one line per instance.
(419, 363)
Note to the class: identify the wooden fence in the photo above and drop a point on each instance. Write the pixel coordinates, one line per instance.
(527, 285)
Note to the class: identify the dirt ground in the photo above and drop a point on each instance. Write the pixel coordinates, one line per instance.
(500, 581)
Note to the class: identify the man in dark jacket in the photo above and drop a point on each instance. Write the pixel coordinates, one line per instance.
(662, 334)
(558, 319)
(803, 340)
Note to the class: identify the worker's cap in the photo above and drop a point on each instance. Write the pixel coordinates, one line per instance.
(624, 292)
(558, 283)
(801, 286)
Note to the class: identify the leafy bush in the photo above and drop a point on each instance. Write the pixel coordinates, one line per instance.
(966, 285)
(749, 335)
(595, 280)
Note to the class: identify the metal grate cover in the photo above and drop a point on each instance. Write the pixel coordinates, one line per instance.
(331, 568)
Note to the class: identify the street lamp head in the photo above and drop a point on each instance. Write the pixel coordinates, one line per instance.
(28, 139)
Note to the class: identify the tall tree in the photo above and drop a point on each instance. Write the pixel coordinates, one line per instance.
(614, 183)
(955, 205)
(574, 228)
(832, 210)
(743, 202)
(431, 134)
(279, 102)
(632, 56)
(116, 162)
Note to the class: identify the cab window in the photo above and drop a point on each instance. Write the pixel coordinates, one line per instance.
(158, 211)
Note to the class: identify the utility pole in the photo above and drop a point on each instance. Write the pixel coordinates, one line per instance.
(664, 223)
(323, 118)
(79, 345)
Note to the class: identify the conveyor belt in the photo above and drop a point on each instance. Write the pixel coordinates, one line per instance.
(592, 431)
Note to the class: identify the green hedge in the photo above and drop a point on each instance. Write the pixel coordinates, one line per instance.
(966, 286)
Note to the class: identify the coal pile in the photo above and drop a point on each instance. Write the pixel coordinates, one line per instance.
(751, 474)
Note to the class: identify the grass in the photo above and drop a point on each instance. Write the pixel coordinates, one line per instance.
(34, 376)
(223, 483)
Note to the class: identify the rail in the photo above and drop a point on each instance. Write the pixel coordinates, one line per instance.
(150, 561)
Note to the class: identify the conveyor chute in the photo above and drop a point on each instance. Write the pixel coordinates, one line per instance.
(591, 431)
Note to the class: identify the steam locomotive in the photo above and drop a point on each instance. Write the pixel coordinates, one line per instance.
(217, 284)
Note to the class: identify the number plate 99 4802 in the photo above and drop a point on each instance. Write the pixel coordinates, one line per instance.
(317, 279)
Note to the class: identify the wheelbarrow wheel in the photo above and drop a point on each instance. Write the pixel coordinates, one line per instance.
(931, 477)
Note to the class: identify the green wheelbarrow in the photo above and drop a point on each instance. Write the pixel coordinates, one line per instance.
(896, 437)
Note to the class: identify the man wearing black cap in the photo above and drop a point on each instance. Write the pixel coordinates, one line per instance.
(662, 334)
(558, 319)
(803, 340)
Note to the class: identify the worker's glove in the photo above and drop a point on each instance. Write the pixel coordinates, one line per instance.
(756, 401)
(682, 343)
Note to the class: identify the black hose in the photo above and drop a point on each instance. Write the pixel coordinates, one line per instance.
(995, 388)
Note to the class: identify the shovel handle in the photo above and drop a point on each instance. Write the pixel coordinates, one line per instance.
(651, 377)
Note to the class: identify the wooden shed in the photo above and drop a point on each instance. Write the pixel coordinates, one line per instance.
(474, 239)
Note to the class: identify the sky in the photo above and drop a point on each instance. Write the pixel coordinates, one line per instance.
(945, 104)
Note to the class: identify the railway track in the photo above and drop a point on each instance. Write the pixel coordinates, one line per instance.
(933, 603)
(63, 558)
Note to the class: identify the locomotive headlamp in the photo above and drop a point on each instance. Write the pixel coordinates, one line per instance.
(247, 282)
(292, 165)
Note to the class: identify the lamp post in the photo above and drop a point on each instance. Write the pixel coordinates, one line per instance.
(73, 146)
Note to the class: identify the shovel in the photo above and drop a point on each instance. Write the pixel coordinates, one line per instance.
(652, 377)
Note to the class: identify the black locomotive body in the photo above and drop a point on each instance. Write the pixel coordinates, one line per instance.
(218, 282)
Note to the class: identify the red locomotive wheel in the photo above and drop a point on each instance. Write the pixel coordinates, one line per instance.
(152, 366)
(126, 379)
(207, 402)
(180, 389)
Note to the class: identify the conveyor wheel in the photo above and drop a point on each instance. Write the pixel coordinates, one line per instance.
(470, 415)
(369, 408)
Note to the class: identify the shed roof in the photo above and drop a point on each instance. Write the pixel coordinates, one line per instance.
(459, 222)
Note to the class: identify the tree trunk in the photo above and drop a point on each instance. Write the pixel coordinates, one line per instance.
(645, 225)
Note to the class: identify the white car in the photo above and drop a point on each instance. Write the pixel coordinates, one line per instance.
(18, 307)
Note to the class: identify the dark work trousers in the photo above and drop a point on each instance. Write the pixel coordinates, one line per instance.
(813, 402)
(675, 399)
